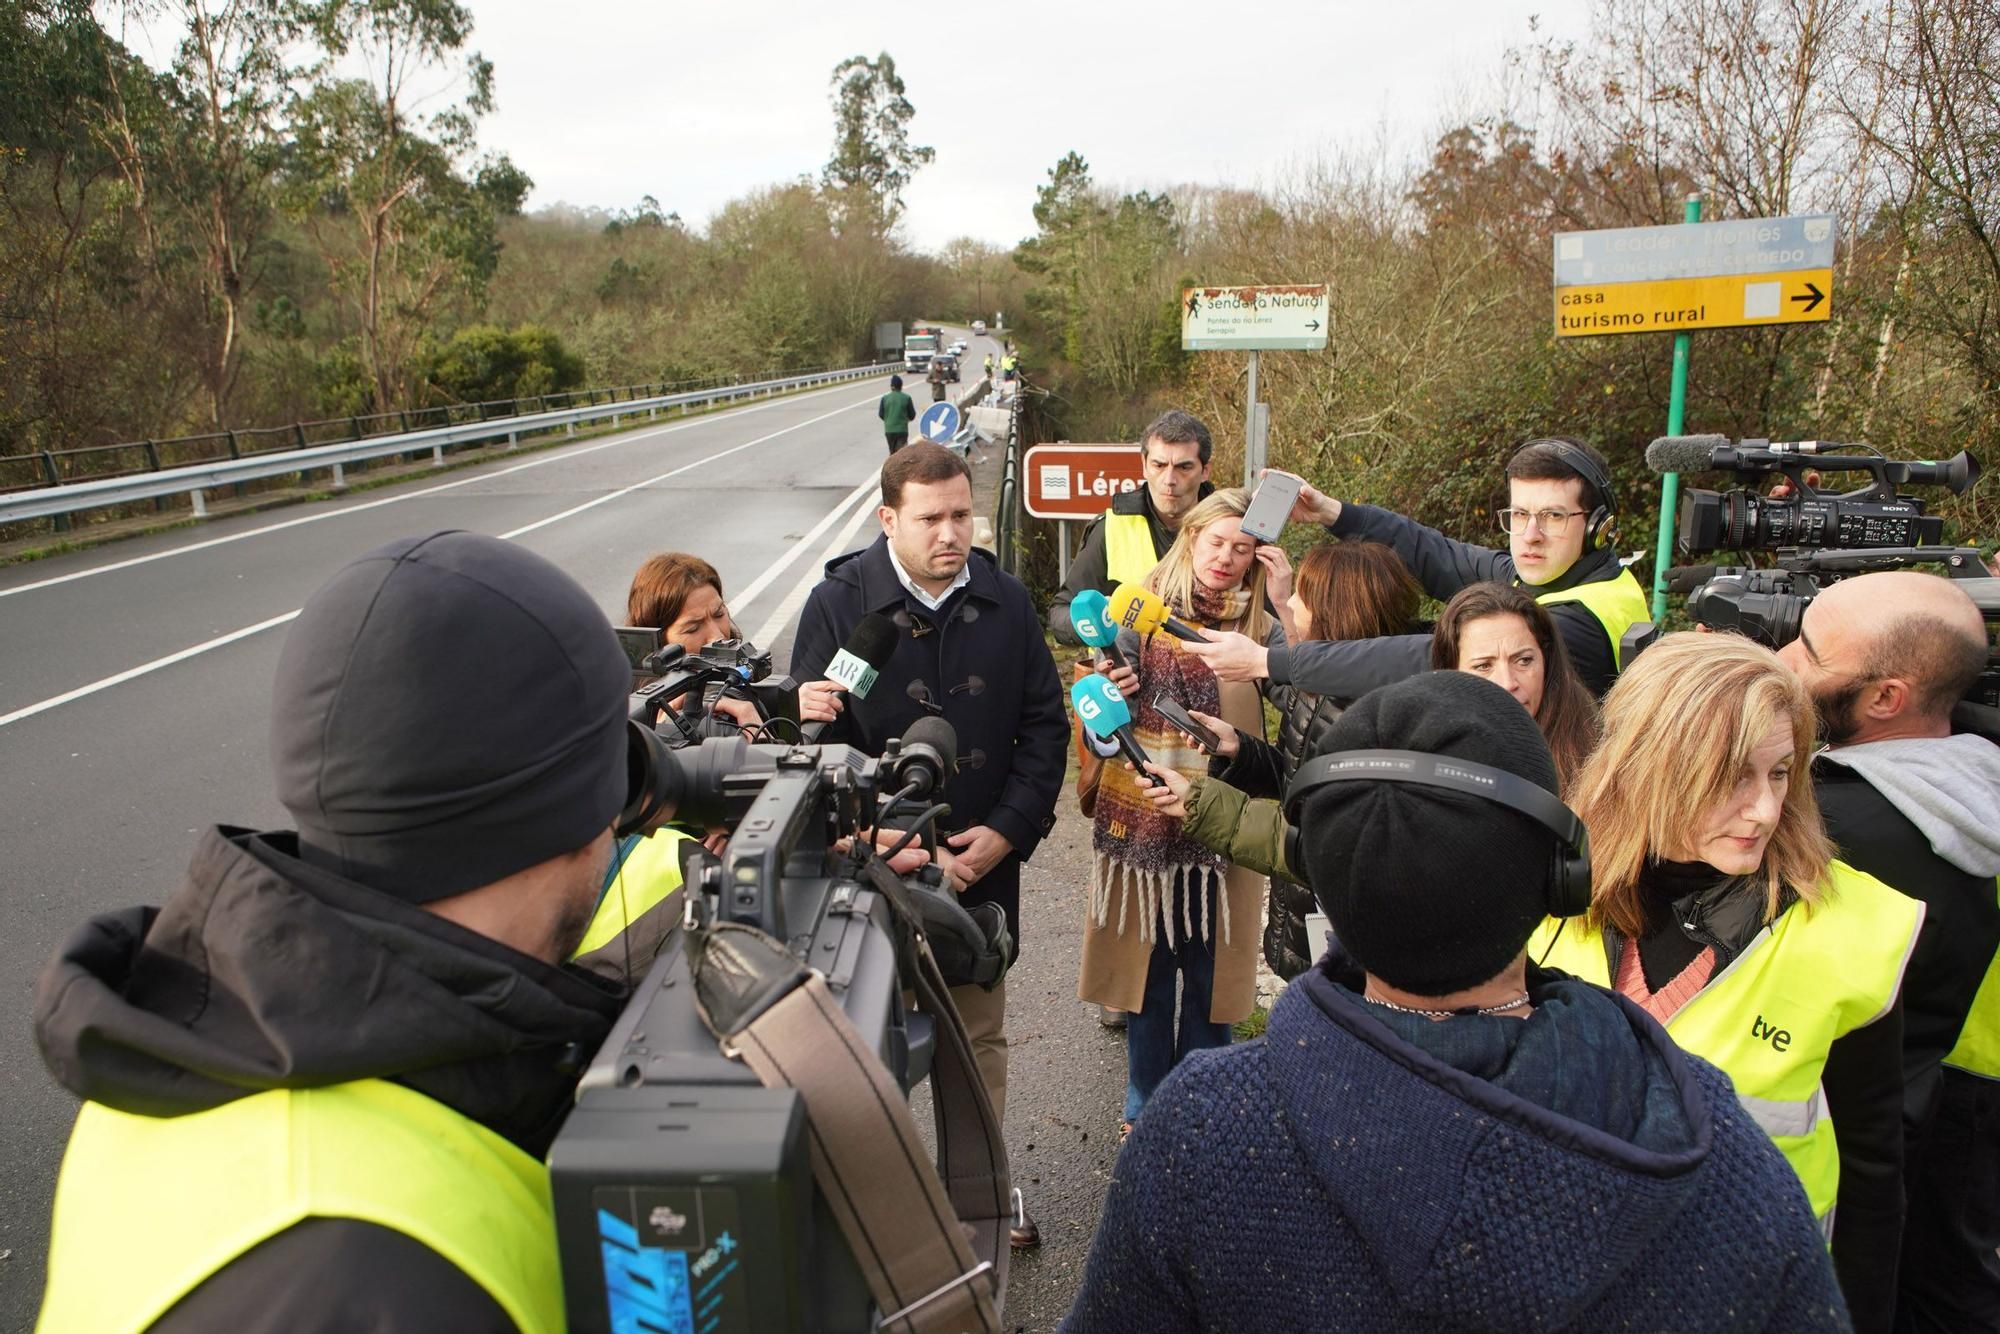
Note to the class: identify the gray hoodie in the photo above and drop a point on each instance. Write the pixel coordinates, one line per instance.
(1948, 787)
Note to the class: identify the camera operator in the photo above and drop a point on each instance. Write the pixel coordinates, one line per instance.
(1885, 657)
(969, 649)
(319, 1080)
(1558, 520)
(1123, 544)
(1433, 1133)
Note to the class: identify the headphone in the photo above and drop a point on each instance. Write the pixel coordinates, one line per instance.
(1568, 887)
(1603, 519)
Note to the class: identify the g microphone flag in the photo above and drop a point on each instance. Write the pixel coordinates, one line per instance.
(1090, 613)
(1104, 712)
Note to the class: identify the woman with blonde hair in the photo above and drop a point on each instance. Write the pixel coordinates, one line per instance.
(1718, 907)
(1162, 906)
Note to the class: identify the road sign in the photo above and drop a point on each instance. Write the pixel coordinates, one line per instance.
(939, 422)
(1243, 319)
(1711, 275)
(1079, 481)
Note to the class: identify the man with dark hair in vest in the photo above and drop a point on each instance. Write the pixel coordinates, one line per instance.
(1123, 544)
(1558, 521)
(1886, 657)
(320, 1079)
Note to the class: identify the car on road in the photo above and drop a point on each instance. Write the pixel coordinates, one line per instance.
(958, 347)
(979, 328)
(950, 364)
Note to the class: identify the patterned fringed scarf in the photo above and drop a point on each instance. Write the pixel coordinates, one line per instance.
(1140, 856)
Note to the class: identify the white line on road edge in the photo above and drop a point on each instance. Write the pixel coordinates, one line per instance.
(555, 456)
(767, 633)
(220, 641)
(748, 593)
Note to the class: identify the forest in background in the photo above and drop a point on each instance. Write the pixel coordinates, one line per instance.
(296, 218)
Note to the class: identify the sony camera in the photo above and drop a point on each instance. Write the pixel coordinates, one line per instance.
(680, 689)
(683, 1187)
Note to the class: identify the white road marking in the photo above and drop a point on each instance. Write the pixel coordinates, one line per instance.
(768, 632)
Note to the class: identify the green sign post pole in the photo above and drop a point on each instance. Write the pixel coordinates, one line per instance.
(1670, 485)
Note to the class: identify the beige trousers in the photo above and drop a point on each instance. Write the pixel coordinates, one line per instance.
(985, 1016)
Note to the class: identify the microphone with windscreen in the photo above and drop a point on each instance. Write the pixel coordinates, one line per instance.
(1140, 609)
(926, 758)
(1685, 453)
(1090, 613)
(1100, 708)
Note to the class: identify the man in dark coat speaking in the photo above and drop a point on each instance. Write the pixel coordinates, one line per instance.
(968, 649)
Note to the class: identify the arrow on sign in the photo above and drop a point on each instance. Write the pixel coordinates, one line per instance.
(1194, 304)
(1314, 326)
(1812, 297)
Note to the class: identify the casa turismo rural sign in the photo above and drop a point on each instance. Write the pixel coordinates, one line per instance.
(1710, 275)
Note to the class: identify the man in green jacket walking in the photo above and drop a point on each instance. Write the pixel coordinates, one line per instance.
(896, 411)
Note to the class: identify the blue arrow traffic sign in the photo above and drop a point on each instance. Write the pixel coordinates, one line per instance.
(939, 422)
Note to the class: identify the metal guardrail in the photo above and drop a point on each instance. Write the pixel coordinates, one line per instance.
(192, 480)
(1007, 534)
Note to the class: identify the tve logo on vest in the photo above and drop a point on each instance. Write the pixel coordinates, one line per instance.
(1779, 1038)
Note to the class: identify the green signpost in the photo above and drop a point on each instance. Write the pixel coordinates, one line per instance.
(1670, 484)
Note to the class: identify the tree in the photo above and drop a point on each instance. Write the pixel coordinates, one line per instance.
(380, 183)
(873, 158)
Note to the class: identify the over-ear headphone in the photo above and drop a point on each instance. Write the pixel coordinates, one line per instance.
(1569, 873)
(1603, 518)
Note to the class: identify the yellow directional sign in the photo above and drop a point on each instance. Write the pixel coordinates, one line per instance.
(1675, 305)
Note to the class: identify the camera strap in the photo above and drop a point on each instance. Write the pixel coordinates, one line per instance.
(931, 1239)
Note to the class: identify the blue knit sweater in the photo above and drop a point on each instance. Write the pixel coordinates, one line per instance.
(1571, 1171)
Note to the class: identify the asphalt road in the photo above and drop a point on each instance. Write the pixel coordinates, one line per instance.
(135, 678)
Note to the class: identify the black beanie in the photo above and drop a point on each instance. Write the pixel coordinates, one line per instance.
(448, 710)
(1431, 890)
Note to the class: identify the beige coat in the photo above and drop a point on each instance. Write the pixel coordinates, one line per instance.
(1114, 962)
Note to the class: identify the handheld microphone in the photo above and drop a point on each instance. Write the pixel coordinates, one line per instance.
(1140, 609)
(1104, 711)
(1090, 613)
(858, 664)
(1684, 453)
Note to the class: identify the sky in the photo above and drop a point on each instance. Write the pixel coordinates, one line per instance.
(602, 101)
(697, 102)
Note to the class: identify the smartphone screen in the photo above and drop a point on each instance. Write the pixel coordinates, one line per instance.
(1271, 506)
(1184, 720)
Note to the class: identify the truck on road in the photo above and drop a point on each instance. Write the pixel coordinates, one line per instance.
(919, 346)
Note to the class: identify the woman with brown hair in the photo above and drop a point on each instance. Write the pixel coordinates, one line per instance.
(1718, 907)
(1342, 590)
(1162, 907)
(1500, 633)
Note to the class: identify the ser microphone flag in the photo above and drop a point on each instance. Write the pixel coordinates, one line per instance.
(858, 664)
(1141, 610)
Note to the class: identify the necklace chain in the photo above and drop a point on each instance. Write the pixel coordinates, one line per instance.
(1514, 1004)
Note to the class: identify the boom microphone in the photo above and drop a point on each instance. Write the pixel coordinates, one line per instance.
(1103, 710)
(1090, 613)
(1141, 609)
(1684, 579)
(1684, 453)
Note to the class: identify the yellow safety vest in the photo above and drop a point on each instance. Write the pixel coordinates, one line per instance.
(1769, 1017)
(166, 1202)
(646, 875)
(1128, 548)
(1977, 1050)
(1617, 603)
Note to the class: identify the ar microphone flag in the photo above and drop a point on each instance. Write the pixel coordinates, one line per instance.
(1140, 609)
(1090, 613)
(857, 665)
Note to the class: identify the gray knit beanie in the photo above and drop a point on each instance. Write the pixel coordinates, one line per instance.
(448, 710)
(1431, 890)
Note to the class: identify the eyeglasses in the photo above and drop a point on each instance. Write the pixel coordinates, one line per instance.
(1553, 523)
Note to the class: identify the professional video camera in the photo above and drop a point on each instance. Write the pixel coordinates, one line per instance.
(727, 668)
(1818, 538)
(684, 1187)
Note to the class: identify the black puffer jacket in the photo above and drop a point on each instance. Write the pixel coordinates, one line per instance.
(1262, 770)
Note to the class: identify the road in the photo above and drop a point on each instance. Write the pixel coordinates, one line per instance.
(135, 678)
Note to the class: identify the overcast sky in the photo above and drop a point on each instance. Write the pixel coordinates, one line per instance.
(602, 101)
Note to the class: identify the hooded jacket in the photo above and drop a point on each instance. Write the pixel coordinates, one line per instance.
(1350, 668)
(1571, 1171)
(263, 972)
(979, 662)
(1920, 815)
